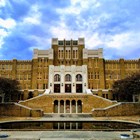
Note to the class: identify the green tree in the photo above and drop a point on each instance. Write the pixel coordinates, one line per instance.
(10, 88)
(124, 89)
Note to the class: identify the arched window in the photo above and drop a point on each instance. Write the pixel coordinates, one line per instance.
(68, 77)
(78, 77)
(56, 77)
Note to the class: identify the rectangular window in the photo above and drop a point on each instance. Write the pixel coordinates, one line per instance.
(61, 43)
(67, 43)
(29, 76)
(75, 42)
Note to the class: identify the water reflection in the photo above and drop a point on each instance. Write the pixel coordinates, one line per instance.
(92, 125)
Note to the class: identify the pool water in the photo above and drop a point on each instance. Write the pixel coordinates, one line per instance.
(69, 125)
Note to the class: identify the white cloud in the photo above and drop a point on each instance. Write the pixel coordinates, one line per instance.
(3, 34)
(8, 23)
(33, 16)
(78, 6)
(6, 26)
(40, 42)
(2, 3)
(123, 40)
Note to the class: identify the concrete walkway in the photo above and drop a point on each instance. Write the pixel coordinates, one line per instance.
(62, 135)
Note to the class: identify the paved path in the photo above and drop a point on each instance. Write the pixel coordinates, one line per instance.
(62, 135)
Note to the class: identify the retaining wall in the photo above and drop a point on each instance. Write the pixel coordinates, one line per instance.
(17, 110)
(119, 109)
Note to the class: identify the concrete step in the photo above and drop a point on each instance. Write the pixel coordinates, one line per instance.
(80, 115)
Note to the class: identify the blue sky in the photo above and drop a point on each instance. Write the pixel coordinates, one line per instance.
(113, 25)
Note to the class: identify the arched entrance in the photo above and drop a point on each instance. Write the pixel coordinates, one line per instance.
(0, 99)
(61, 106)
(79, 103)
(73, 106)
(67, 106)
(55, 106)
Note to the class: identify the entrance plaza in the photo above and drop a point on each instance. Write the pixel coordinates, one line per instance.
(69, 134)
(63, 135)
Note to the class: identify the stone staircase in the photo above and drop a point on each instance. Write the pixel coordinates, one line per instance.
(80, 115)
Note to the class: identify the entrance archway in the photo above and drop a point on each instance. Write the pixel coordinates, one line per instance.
(79, 103)
(0, 99)
(55, 106)
(73, 106)
(67, 106)
(61, 106)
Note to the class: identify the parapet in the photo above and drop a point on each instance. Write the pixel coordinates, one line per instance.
(65, 42)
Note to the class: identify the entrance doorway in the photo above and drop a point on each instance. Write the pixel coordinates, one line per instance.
(0, 99)
(68, 88)
(56, 88)
(78, 88)
(55, 106)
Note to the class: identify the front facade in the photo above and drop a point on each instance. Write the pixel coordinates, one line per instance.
(68, 67)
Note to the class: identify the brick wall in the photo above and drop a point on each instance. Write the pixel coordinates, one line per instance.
(45, 102)
(14, 109)
(120, 109)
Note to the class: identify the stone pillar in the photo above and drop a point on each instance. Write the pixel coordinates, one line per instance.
(76, 126)
(62, 83)
(70, 126)
(58, 126)
(70, 107)
(85, 79)
(2, 96)
(51, 78)
(73, 69)
(76, 107)
(58, 106)
(64, 106)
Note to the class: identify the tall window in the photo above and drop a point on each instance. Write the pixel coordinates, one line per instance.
(78, 77)
(68, 77)
(56, 77)
(75, 54)
(96, 75)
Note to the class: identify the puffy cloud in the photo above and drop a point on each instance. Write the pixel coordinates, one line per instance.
(5, 29)
(113, 25)
(3, 34)
(7, 23)
(2, 3)
(33, 16)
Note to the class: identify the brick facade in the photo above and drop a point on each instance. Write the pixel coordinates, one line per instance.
(33, 75)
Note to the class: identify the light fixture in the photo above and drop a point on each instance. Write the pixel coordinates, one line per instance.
(50, 84)
(62, 84)
(73, 84)
(85, 84)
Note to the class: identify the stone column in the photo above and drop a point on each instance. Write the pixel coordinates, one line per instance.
(70, 107)
(76, 107)
(76, 126)
(64, 107)
(58, 106)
